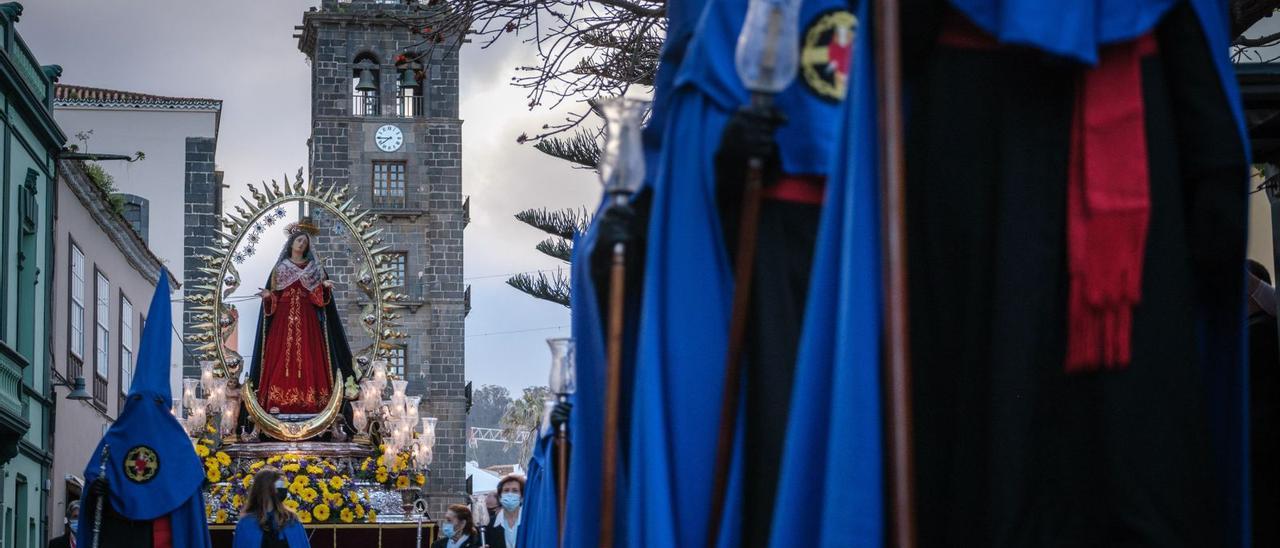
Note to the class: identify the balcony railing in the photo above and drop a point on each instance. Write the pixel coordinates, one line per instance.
(75, 366)
(10, 387)
(365, 105)
(409, 106)
(100, 391)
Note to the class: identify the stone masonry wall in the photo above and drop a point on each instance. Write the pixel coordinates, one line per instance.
(428, 229)
(201, 188)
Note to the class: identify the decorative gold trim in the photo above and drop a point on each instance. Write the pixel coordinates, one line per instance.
(214, 324)
(292, 431)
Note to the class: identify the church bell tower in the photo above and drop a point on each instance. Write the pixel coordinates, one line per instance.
(384, 121)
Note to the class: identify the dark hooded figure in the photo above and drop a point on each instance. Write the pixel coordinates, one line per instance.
(300, 347)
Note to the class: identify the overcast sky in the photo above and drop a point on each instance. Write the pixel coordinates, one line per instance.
(242, 52)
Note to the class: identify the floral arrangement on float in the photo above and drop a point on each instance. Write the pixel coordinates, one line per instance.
(319, 491)
(400, 475)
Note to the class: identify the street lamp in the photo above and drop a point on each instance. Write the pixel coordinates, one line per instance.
(78, 393)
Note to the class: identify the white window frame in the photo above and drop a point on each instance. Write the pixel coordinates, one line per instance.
(75, 326)
(126, 343)
(102, 320)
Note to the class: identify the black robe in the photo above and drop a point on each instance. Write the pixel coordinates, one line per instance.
(335, 336)
(1009, 449)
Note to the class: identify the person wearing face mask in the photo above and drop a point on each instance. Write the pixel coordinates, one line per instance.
(458, 529)
(511, 498)
(265, 521)
(492, 536)
(70, 521)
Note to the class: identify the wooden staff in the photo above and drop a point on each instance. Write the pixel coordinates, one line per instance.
(562, 474)
(743, 268)
(613, 390)
(896, 372)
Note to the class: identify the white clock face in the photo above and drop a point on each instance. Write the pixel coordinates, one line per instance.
(389, 138)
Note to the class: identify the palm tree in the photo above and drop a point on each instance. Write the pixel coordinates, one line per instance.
(525, 415)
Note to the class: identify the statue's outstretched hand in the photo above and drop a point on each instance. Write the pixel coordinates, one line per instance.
(265, 293)
(328, 284)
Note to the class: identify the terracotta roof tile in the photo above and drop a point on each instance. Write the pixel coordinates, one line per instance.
(67, 95)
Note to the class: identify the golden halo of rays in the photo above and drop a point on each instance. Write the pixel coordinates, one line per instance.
(215, 319)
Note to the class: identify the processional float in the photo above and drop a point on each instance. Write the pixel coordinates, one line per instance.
(360, 460)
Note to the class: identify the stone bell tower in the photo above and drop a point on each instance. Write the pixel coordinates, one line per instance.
(384, 120)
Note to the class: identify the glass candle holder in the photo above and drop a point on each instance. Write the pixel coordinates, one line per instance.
(563, 379)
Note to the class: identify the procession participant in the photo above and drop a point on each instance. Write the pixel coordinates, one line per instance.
(491, 536)
(511, 497)
(1076, 199)
(71, 521)
(265, 521)
(1264, 406)
(458, 529)
(687, 302)
(145, 475)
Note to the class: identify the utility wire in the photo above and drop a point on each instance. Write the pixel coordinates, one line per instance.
(518, 331)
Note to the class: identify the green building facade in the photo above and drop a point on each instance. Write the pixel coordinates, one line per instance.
(27, 162)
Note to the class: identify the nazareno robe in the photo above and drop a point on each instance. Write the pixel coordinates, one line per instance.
(1010, 449)
(336, 351)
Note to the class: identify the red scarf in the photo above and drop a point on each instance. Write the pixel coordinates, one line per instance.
(1108, 198)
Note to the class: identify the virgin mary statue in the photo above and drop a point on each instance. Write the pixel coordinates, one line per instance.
(299, 346)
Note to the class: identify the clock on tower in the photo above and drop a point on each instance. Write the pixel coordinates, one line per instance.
(389, 138)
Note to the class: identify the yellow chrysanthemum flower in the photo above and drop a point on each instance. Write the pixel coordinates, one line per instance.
(223, 458)
(273, 459)
(381, 476)
(295, 489)
(202, 451)
(420, 479)
(360, 511)
(346, 515)
(302, 480)
(257, 466)
(291, 467)
(373, 516)
(221, 516)
(309, 495)
(210, 429)
(213, 475)
(314, 470)
(208, 511)
(321, 513)
(237, 501)
(246, 481)
(402, 482)
(353, 497)
(335, 482)
(304, 516)
(291, 504)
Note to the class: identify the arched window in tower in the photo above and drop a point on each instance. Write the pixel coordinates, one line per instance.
(409, 76)
(364, 85)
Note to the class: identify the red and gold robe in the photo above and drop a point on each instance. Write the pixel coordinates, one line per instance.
(296, 375)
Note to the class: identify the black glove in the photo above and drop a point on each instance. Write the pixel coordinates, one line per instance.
(748, 134)
(560, 414)
(618, 224)
(98, 487)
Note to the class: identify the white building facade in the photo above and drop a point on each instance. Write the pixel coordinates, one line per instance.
(175, 185)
